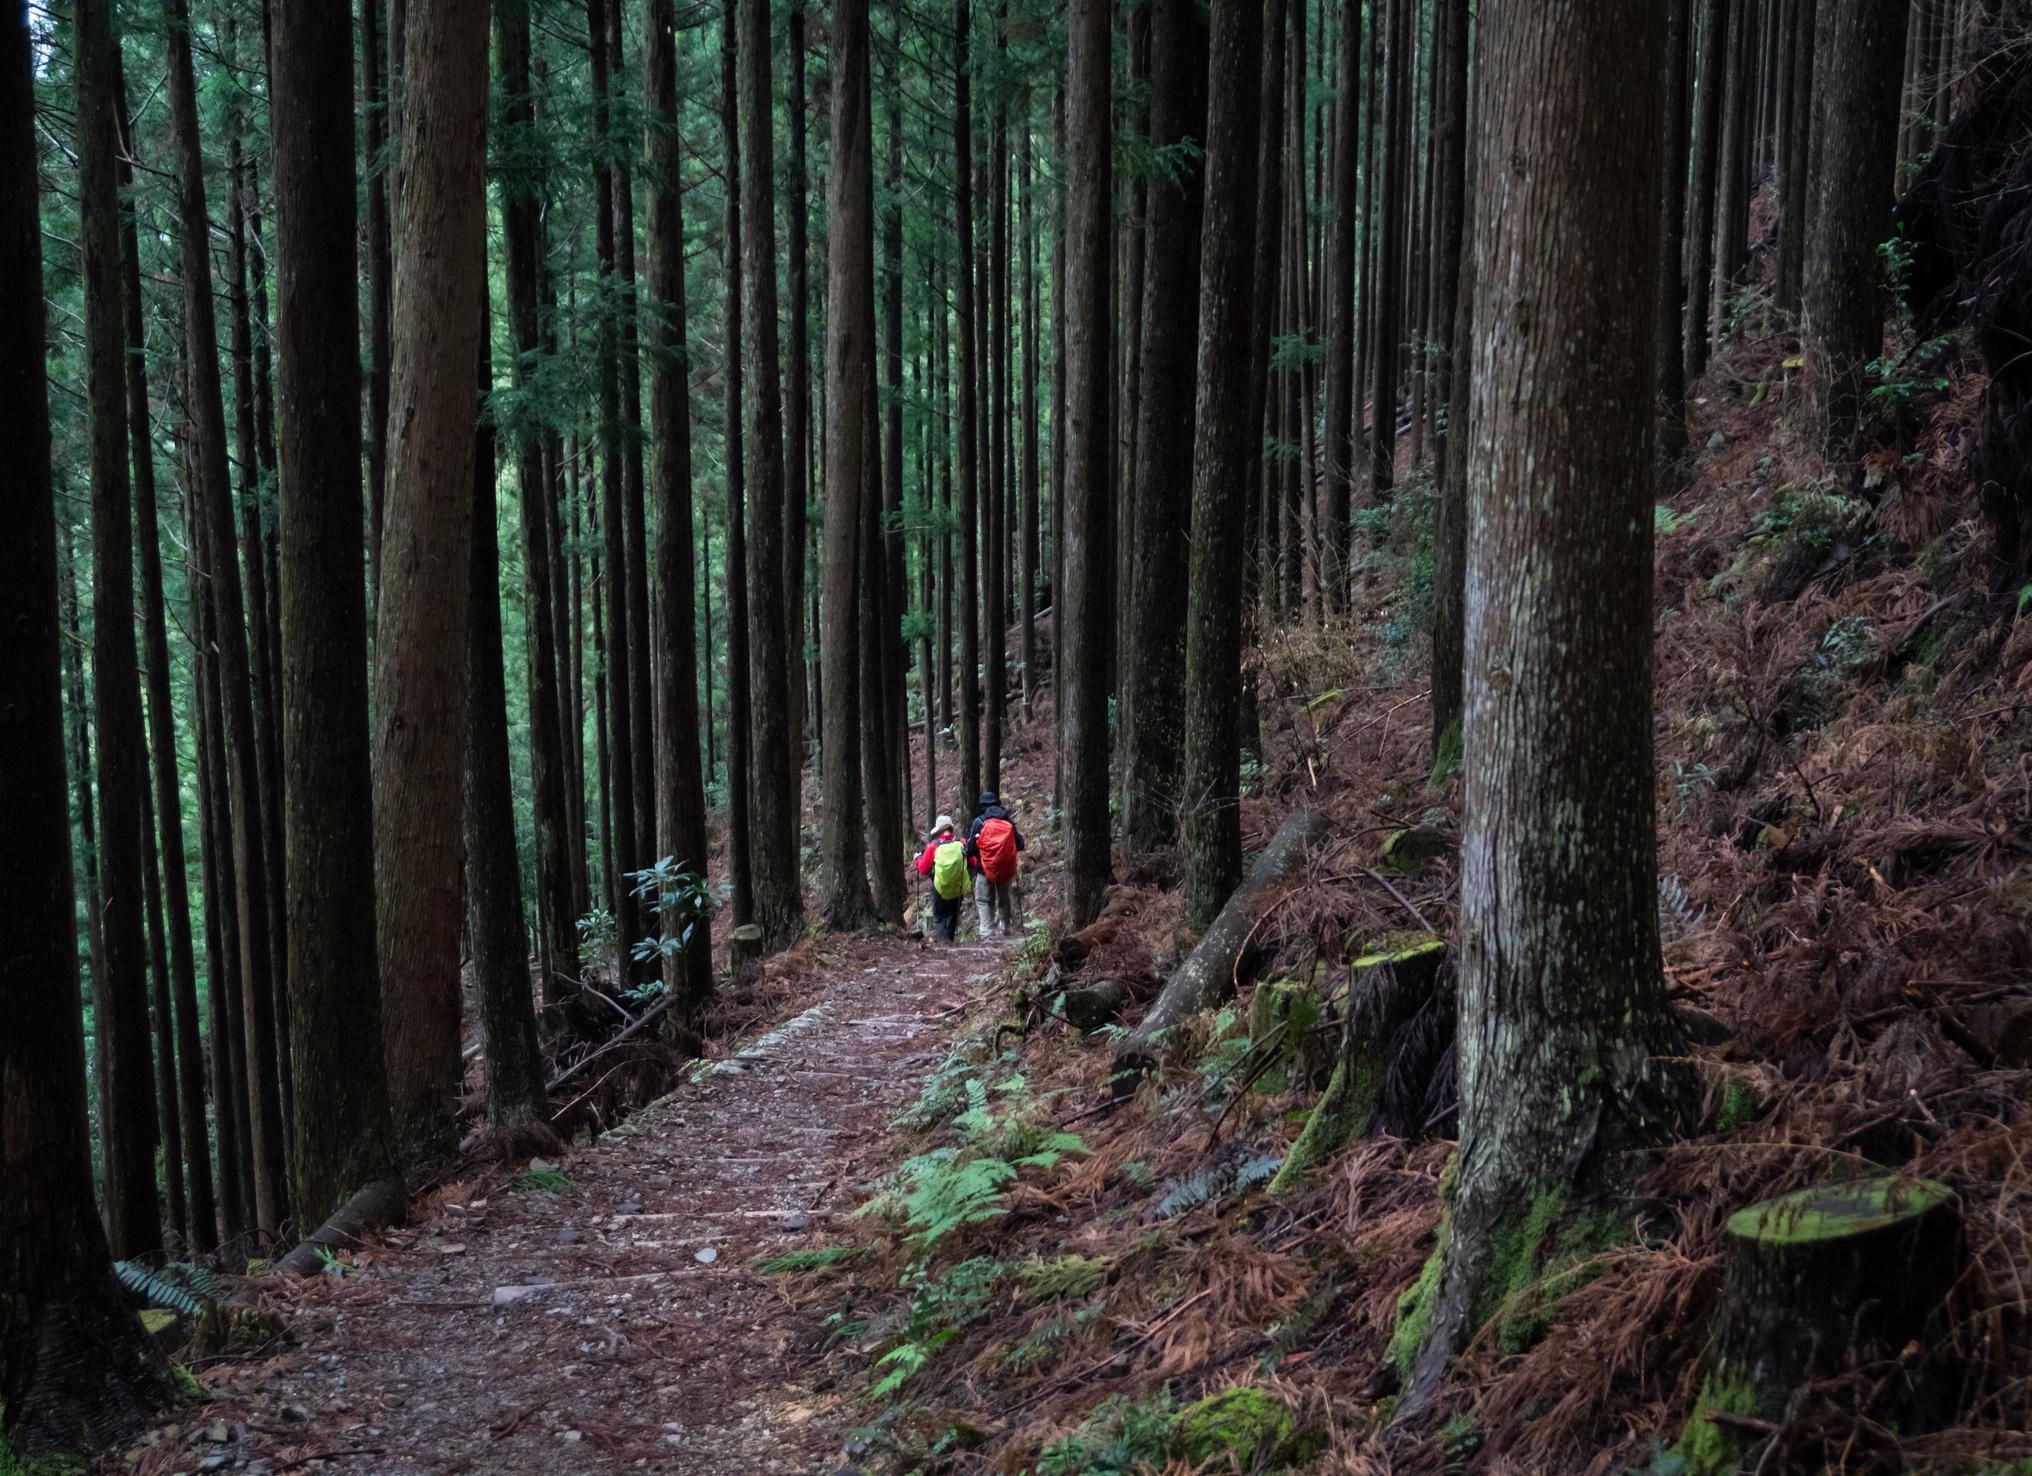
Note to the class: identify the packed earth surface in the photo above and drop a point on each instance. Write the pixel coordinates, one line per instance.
(606, 1312)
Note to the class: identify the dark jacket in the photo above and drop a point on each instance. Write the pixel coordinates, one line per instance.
(989, 808)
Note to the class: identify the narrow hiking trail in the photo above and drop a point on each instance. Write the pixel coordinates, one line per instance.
(618, 1323)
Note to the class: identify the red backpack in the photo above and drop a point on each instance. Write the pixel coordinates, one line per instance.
(996, 847)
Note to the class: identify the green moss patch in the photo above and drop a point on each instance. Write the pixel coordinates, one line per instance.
(1708, 1448)
(1242, 1429)
(1832, 1211)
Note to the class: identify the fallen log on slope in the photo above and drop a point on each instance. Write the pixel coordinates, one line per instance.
(1208, 973)
(379, 1205)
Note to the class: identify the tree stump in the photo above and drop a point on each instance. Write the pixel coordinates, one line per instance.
(1820, 1281)
(1389, 989)
(744, 947)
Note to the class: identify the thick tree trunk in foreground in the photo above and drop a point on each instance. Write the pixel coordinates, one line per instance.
(849, 265)
(420, 640)
(76, 1371)
(1858, 66)
(341, 1138)
(1083, 624)
(1155, 669)
(1562, 1012)
(265, 1144)
(1223, 447)
(779, 897)
(680, 793)
(120, 982)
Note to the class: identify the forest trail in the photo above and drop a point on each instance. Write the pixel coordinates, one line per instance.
(617, 1323)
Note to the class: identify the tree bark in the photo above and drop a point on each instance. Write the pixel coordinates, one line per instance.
(1164, 439)
(779, 899)
(740, 863)
(76, 1372)
(1710, 90)
(1844, 328)
(1221, 454)
(129, 1131)
(680, 794)
(341, 1134)
(1388, 331)
(265, 1145)
(1562, 1015)
(374, 108)
(1083, 623)
(849, 281)
(1669, 375)
(797, 398)
(420, 690)
(967, 597)
(1338, 458)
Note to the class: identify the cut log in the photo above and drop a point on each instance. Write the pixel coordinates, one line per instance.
(375, 1207)
(744, 946)
(1818, 1282)
(1387, 992)
(1094, 1005)
(1208, 974)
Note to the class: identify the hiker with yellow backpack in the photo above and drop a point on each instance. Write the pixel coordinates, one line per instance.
(944, 860)
(993, 843)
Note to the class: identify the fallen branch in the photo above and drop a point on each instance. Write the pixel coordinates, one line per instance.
(653, 1013)
(380, 1204)
(1210, 970)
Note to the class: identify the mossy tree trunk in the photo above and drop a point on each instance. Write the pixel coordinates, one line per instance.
(1563, 1011)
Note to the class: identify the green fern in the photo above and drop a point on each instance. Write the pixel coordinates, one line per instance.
(181, 1286)
(805, 1260)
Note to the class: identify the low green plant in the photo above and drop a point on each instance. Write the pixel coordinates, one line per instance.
(1121, 1436)
(1808, 517)
(811, 1259)
(545, 1180)
(679, 899)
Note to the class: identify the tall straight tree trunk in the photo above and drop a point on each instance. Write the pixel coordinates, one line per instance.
(375, 111)
(1710, 88)
(1732, 207)
(1450, 223)
(680, 794)
(222, 930)
(779, 899)
(341, 1138)
(129, 1131)
(1338, 285)
(1084, 621)
(512, 1064)
(1155, 674)
(1391, 220)
(522, 232)
(740, 840)
(1265, 479)
(203, 1229)
(1669, 375)
(1220, 462)
(1033, 326)
(265, 1146)
(641, 702)
(76, 1372)
(162, 1019)
(797, 398)
(879, 774)
(942, 312)
(850, 265)
(1857, 89)
(1562, 1009)
(994, 614)
(616, 660)
(420, 689)
(891, 803)
(967, 597)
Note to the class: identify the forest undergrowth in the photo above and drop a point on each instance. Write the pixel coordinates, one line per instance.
(1048, 1282)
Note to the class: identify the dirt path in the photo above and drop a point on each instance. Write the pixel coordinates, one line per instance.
(617, 1324)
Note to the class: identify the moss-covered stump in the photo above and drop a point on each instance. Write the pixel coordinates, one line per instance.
(1409, 851)
(1100, 1003)
(1820, 1281)
(1241, 1429)
(1389, 990)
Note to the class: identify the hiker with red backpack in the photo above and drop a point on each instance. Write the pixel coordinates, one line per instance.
(993, 842)
(944, 860)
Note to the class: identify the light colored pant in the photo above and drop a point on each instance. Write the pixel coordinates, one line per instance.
(995, 904)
